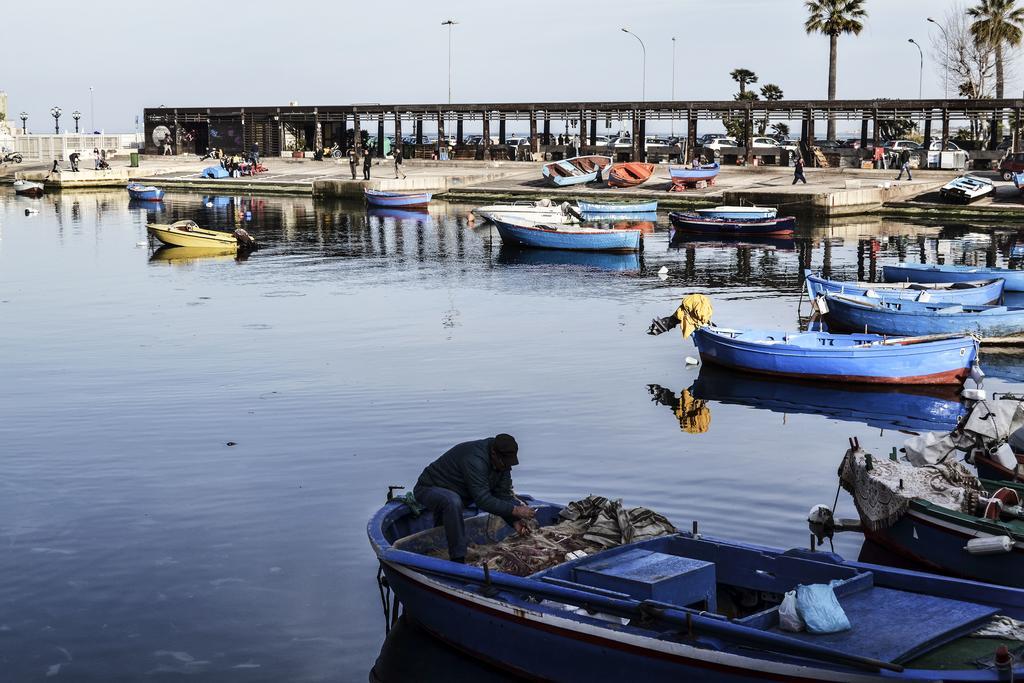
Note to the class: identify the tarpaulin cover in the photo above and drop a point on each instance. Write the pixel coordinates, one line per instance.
(215, 172)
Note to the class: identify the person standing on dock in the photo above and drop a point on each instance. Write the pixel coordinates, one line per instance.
(73, 159)
(905, 165)
(353, 161)
(95, 158)
(798, 171)
(167, 145)
(398, 161)
(367, 161)
(476, 472)
(254, 152)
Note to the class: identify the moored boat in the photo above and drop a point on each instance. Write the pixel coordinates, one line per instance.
(188, 234)
(682, 606)
(930, 273)
(378, 198)
(909, 318)
(575, 170)
(966, 189)
(27, 188)
(683, 176)
(142, 192)
(691, 222)
(861, 358)
(629, 174)
(977, 292)
(543, 210)
(617, 207)
(740, 213)
(581, 238)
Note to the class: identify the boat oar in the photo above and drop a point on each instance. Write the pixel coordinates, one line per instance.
(690, 619)
(900, 341)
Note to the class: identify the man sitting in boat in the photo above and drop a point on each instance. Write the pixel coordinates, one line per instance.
(472, 472)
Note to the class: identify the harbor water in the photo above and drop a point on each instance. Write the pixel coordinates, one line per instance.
(191, 445)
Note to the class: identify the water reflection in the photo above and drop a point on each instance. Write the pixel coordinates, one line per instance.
(622, 263)
(191, 255)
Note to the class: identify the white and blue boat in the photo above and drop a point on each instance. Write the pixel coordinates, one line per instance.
(687, 175)
(739, 213)
(979, 292)
(912, 318)
(147, 193)
(618, 208)
(684, 607)
(524, 233)
(575, 170)
(930, 273)
(396, 199)
(817, 355)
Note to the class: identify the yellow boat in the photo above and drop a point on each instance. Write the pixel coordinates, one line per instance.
(188, 234)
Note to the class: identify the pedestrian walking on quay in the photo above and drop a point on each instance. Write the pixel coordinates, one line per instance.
(353, 161)
(367, 161)
(798, 171)
(398, 161)
(905, 165)
(167, 145)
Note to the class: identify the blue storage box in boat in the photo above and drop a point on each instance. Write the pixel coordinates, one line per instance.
(646, 575)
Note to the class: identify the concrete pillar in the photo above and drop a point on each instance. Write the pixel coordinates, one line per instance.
(357, 131)
(458, 130)
(487, 134)
(547, 128)
(419, 129)
(583, 128)
(398, 129)
(864, 132)
(637, 140)
(643, 137)
(876, 132)
(534, 143)
(927, 130)
(945, 127)
(380, 135)
(1016, 130)
(440, 129)
(994, 138)
(748, 137)
(501, 128)
(318, 131)
(691, 138)
(593, 129)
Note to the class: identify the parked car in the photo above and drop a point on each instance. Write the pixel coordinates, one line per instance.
(1011, 164)
(900, 145)
(708, 138)
(936, 146)
(787, 143)
(766, 144)
(516, 142)
(828, 145)
(717, 144)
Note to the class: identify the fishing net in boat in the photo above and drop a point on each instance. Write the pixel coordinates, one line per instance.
(591, 525)
(882, 491)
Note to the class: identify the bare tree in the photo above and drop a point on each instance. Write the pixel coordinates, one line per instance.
(968, 64)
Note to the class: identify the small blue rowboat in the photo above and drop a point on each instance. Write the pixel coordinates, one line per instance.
(691, 222)
(575, 170)
(577, 238)
(378, 198)
(740, 213)
(978, 293)
(928, 273)
(911, 318)
(146, 193)
(687, 175)
(652, 609)
(617, 208)
(864, 358)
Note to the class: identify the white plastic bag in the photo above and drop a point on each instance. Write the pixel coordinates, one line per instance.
(789, 618)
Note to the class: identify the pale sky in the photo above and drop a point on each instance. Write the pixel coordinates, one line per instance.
(259, 52)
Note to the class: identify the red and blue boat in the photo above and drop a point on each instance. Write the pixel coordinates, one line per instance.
(572, 237)
(146, 193)
(860, 358)
(929, 273)
(976, 292)
(696, 223)
(396, 199)
(684, 607)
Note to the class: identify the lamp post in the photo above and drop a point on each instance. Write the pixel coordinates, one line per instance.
(24, 117)
(672, 125)
(643, 90)
(76, 115)
(920, 72)
(55, 113)
(92, 111)
(450, 23)
(945, 66)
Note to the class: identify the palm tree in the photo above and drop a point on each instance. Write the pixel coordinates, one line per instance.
(997, 23)
(743, 77)
(833, 18)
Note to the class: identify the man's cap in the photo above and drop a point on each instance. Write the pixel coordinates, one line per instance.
(506, 448)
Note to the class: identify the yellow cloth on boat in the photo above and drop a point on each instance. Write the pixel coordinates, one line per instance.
(693, 414)
(694, 312)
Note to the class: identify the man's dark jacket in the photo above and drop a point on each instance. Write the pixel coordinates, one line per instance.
(466, 469)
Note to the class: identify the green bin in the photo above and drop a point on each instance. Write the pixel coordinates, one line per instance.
(134, 160)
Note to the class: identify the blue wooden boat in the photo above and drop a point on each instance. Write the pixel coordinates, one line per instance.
(687, 175)
(656, 610)
(617, 207)
(864, 358)
(619, 262)
(146, 193)
(929, 273)
(739, 213)
(978, 292)
(575, 170)
(378, 198)
(914, 408)
(691, 222)
(910, 318)
(573, 237)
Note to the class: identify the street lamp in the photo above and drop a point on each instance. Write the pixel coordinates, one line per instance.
(644, 63)
(76, 115)
(945, 66)
(920, 73)
(55, 113)
(672, 125)
(24, 117)
(92, 111)
(450, 23)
